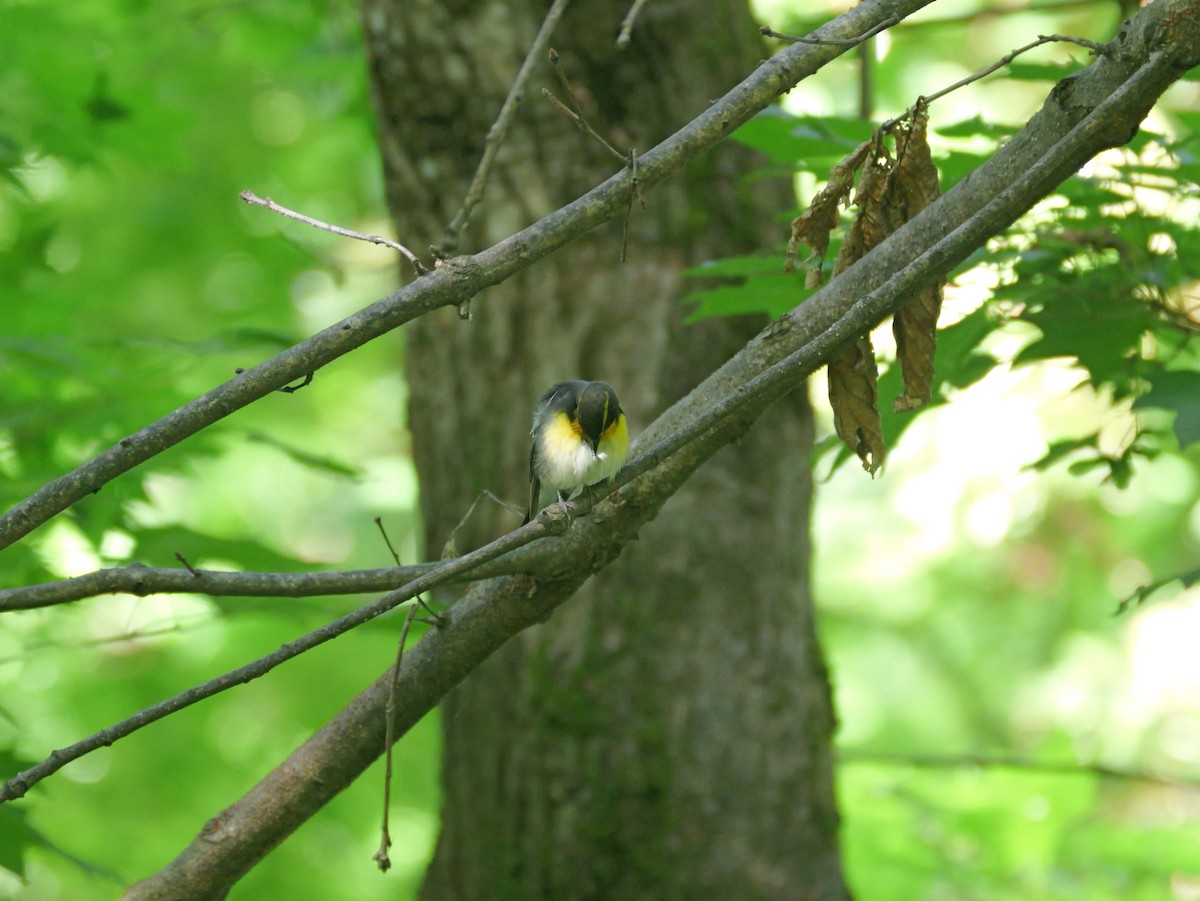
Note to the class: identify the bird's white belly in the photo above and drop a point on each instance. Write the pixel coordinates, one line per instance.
(560, 468)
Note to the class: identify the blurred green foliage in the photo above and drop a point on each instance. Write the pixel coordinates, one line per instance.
(133, 278)
(966, 598)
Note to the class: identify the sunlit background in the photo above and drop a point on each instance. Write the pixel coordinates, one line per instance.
(1004, 734)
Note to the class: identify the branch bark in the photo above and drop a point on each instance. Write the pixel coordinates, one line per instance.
(1097, 108)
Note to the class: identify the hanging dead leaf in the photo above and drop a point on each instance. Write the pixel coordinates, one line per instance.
(875, 205)
(812, 227)
(914, 182)
(852, 377)
(852, 395)
(852, 374)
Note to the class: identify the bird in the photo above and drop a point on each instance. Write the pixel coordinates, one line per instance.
(580, 438)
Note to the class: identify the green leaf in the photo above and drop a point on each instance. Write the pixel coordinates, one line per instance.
(16, 836)
(305, 458)
(810, 142)
(977, 126)
(959, 362)
(729, 267)
(773, 295)
(1179, 391)
(1042, 71)
(1059, 450)
(1186, 580)
(1102, 330)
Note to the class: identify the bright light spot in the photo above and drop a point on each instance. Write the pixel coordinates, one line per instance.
(390, 484)
(1180, 738)
(1164, 667)
(1162, 244)
(66, 551)
(989, 518)
(116, 545)
(44, 177)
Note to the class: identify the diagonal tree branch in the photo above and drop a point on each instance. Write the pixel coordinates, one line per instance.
(458, 279)
(1098, 108)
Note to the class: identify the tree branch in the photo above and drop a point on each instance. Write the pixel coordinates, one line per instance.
(142, 580)
(458, 279)
(1099, 108)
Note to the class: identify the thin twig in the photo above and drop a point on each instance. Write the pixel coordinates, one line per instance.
(436, 617)
(251, 198)
(635, 193)
(576, 112)
(182, 559)
(887, 23)
(385, 839)
(1010, 762)
(386, 540)
(627, 23)
(495, 135)
(1096, 48)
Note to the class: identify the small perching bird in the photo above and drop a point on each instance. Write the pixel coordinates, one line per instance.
(580, 438)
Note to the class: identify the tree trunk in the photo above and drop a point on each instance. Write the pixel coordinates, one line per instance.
(667, 733)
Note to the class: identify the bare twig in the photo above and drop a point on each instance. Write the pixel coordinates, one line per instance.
(436, 617)
(582, 124)
(495, 135)
(635, 194)
(767, 31)
(626, 33)
(253, 199)
(386, 540)
(576, 112)
(1096, 48)
(187, 566)
(303, 383)
(450, 548)
(385, 839)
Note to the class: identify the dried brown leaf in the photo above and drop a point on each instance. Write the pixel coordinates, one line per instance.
(913, 185)
(875, 204)
(812, 227)
(915, 176)
(852, 395)
(915, 328)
